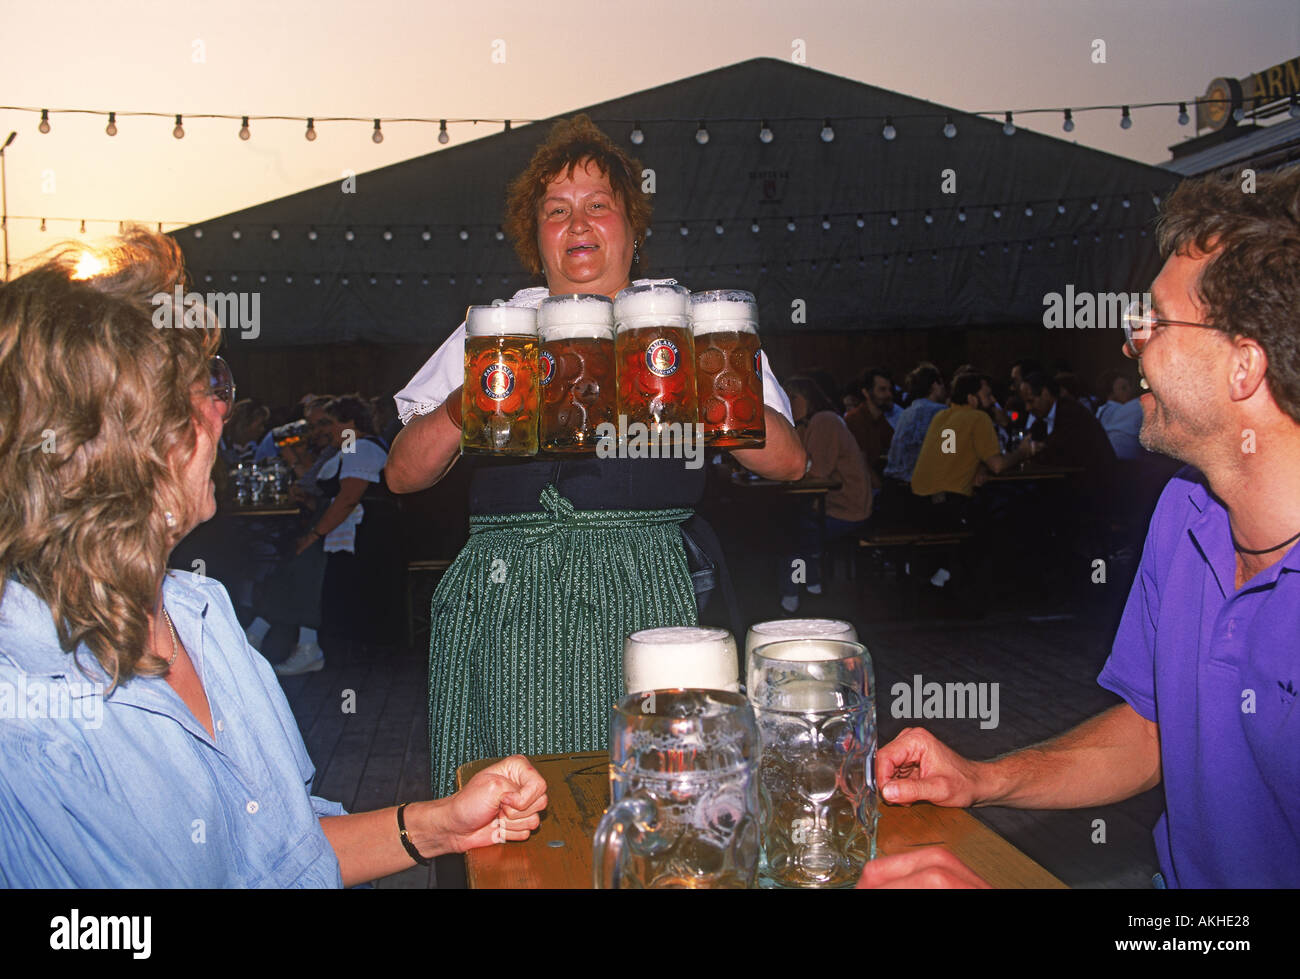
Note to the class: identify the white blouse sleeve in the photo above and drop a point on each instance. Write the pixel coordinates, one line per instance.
(773, 394)
(441, 374)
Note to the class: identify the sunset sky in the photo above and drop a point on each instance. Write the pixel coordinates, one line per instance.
(435, 59)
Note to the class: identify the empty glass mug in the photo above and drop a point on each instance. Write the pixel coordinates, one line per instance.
(683, 790)
(814, 700)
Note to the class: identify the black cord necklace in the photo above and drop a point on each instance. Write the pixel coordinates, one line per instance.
(1266, 550)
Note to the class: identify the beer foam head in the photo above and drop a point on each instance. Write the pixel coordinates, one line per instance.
(724, 311)
(806, 650)
(500, 321)
(654, 304)
(570, 317)
(779, 629)
(681, 656)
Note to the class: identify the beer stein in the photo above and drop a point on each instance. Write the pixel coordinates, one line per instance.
(576, 371)
(728, 368)
(681, 656)
(683, 791)
(499, 400)
(761, 633)
(814, 700)
(656, 358)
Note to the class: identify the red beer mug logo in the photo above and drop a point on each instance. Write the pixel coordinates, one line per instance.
(656, 359)
(546, 365)
(501, 392)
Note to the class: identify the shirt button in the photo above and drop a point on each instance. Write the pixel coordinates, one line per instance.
(221, 725)
(251, 808)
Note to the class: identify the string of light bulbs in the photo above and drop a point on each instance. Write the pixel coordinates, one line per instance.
(766, 131)
(428, 231)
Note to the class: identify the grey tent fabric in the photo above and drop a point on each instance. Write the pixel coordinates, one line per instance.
(948, 272)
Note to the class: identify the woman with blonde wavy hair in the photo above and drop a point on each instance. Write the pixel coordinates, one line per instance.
(135, 720)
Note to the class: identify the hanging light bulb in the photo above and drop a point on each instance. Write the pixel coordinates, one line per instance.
(790, 225)
(426, 234)
(388, 234)
(754, 227)
(374, 281)
(1093, 205)
(718, 229)
(179, 131)
(888, 131)
(1009, 126)
(1183, 117)
(500, 234)
(315, 280)
(893, 219)
(826, 222)
(343, 280)
(464, 234)
(961, 215)
(1125, 120)
(765, 133)
(929, 218)
(997, 212)
(949, 127)
(44, 126)
(1029, 210)
(234, 276)
(683, 230)
(310, 134)
(244, 131)
(198, 232)
(1060, 207)
(111, 128)
(236, 234)
(702, 134)
(1126, 203)
(828, 132)
(636, 135)
(1068, 125)
(861, 222)
(275, 234)
(288, 279)
(262, 277)
(311, 234)
(443, 138)
(378, 134)
(350, 235)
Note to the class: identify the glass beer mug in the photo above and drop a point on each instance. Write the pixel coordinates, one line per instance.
(655, 356)
(814, 700)
(499, 400)
(576, 370)
(683, 790)
(728, 368)
(681, 656)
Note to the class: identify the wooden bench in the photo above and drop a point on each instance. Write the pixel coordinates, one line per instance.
(909, 541)
(421, 574)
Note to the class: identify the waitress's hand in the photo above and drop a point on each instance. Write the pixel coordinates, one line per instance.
(304, 542)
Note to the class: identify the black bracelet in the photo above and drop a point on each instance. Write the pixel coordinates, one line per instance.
(406, 839)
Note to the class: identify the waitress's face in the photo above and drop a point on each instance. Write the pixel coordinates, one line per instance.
(583, 234)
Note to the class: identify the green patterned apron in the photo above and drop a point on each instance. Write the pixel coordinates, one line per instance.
(526, 645)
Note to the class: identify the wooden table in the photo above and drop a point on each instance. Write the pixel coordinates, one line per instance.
(1028, 471)
(559, 855)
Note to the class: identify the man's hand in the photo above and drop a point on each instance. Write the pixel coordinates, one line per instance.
(916, 766)
(500, 803)
(928, 866)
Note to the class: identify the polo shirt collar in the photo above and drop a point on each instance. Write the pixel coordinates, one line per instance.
(1212, 533)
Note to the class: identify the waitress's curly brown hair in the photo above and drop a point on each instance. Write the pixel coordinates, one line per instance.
(96, 423)
(570, 142)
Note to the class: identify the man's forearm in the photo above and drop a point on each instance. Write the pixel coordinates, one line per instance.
(1106, 759)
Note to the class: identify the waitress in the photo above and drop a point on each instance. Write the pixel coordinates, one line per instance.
(565, 559)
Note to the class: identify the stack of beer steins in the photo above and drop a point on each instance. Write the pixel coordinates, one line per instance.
(715, 784)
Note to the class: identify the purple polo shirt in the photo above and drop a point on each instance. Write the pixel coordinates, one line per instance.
(1218, 669)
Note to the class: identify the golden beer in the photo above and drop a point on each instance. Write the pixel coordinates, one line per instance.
(500, 396)
(728, 368)
(576, 371)
(655, 356)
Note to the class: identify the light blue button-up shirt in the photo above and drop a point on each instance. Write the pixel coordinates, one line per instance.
(130, 790)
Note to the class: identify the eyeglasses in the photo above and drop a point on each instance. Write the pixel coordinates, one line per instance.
(222, 383)
(1140, 322)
